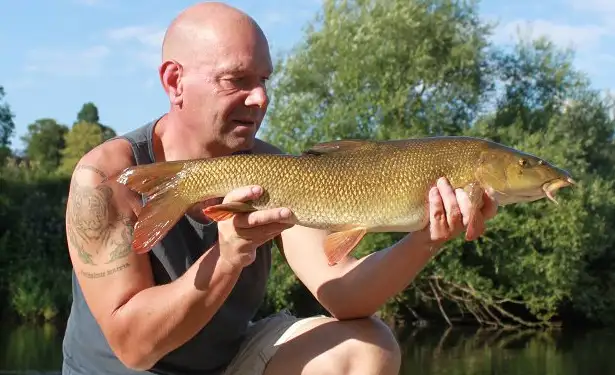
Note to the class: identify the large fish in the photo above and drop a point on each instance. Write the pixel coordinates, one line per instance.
(347, 187)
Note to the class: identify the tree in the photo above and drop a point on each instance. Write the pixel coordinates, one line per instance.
(89, 113)
(81, 138)
(381, 69)
(45, 142)
(396, 69)
(7, 127)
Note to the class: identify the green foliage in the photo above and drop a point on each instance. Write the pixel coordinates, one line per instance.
(35, 267)
(45, 141)
(34, 263)
(89, 114)
(380, 69)
(394, 69)
(7, 126)
(81, 138)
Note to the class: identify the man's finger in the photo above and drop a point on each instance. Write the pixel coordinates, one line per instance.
(449, 199)
(436, 212)
(263, 233)
(242, 194)
(263, 217)
(465, 206)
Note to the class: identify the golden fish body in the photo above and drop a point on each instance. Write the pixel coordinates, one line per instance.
(348, 187)
(382, 189)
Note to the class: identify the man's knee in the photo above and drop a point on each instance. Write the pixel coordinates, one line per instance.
(373, 348)
(327, 346)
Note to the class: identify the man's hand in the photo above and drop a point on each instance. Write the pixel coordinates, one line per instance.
(240, 236)
(450, 211)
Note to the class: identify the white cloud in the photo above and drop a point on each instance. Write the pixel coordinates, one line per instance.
(581, 36)
(144, 35)
(68, 63)
(602, 7)
(591, 40)
(141, 43)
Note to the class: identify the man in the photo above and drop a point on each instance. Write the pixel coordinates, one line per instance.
(187, 305)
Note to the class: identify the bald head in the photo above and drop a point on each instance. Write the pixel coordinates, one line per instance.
(199, 33)
(216, 62)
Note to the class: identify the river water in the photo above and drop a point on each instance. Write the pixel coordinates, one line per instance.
(38, 350)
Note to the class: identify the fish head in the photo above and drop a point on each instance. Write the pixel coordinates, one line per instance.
(513, 176)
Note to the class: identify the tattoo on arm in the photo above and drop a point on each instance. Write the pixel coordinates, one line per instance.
(85, 257)
(93, 220)
(111, 271)
(93, 169)
(122, 247)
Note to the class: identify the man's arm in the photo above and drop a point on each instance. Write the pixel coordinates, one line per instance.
(357, 288)
(142, 322)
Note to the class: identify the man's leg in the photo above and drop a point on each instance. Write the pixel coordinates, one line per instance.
(284, 344)
(326, 346)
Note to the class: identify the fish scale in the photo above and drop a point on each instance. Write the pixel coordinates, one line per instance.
(348, 187)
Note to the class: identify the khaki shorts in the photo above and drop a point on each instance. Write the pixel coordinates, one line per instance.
(263, 339)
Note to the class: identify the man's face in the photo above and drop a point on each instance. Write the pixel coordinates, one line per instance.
(224, 95)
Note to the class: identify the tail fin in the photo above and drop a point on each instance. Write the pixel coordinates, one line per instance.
(165, 205)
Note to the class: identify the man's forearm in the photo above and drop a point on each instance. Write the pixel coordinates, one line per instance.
(159, 319)
(370, 281)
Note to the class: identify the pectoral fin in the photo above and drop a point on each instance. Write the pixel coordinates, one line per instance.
(224, 211)
(475, 193)
(339, 244)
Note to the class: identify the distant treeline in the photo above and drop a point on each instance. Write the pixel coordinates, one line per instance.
(383, 70)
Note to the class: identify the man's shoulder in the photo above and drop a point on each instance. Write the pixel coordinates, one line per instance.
(263, 147)
(108, 158)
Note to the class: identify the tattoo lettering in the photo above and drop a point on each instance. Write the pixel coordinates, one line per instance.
(109, 272)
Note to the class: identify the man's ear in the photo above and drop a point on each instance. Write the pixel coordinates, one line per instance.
(170, 76)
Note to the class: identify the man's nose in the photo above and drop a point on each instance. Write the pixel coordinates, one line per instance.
(258, 97)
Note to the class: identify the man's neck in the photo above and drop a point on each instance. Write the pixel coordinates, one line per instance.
(176, 143)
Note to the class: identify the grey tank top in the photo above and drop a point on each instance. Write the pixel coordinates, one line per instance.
(86, 350)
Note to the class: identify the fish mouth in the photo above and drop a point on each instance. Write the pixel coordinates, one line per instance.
(547, 189)
(550, 188)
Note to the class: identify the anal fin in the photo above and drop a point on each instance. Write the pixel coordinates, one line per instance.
(224, 211)
(339, 244)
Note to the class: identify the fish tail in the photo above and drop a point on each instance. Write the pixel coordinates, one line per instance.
(165, 205)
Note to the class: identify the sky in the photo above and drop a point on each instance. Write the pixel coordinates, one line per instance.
(59, 54)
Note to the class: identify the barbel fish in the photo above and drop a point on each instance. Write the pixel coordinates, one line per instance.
(347, 187)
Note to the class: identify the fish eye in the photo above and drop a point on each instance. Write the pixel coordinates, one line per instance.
(523, 162)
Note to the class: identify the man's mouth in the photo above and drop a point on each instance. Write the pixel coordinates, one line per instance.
(244, 122)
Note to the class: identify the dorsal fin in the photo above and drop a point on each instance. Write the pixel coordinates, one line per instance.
(337, 146)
